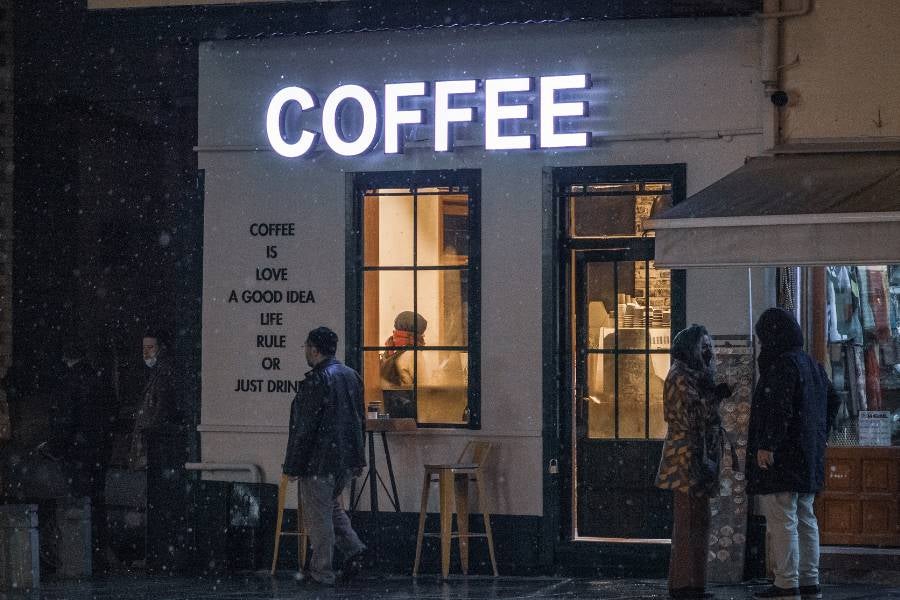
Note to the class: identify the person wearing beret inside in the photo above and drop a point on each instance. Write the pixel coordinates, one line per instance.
(398, 364)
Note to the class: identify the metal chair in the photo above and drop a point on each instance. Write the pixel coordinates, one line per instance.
(453, 480)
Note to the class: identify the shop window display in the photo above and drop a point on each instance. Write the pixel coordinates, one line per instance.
(416, 275)
(862, 329)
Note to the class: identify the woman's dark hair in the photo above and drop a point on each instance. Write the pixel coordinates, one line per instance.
(686, 347)
(324, 340)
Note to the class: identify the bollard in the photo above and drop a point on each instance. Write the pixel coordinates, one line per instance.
(19, 550)
(73, 517)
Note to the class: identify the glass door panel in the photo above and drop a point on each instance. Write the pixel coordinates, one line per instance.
(621, 350)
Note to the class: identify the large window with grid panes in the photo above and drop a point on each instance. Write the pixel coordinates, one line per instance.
(415, 250)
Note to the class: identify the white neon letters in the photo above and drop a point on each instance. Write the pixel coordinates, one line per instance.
(494, 112)
(550, 109)
(507, 115)
(273, 122)
(394, 116)
(444, 115)
(330, 121)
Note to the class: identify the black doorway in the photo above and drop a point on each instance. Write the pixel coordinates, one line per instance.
(614, 314)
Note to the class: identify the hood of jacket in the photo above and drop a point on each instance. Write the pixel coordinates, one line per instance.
(778, 332)
(686, 349)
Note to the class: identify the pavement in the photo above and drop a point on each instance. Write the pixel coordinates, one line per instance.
(262, 587)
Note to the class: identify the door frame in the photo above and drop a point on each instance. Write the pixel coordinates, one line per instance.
(558, 550)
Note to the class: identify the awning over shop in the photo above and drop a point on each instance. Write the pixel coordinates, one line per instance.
(802, 209)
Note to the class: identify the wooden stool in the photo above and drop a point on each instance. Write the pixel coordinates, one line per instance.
(302, 536)
(456, 477)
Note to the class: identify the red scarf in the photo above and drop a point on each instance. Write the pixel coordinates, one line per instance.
(402, 338)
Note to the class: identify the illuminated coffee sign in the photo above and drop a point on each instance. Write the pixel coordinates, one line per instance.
(444, 104)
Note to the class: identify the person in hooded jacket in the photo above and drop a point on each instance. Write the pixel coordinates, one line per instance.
(793, 407)
(691, 456)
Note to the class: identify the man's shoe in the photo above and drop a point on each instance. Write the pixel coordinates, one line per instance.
(810, 592)
(352, 566)
(773, 591)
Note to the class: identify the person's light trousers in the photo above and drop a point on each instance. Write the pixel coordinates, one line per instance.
(793, 537)
(327, 524)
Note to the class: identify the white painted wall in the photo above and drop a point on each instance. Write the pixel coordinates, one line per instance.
(842, 71)
(650, 76)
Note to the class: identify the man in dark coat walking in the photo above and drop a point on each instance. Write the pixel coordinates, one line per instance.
(325, 449)
(793, 407)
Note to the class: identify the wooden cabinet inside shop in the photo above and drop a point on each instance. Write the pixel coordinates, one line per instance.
(860, 505)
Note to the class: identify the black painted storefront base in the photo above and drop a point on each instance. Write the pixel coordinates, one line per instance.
(616, 560)
(517, 541)
(204, 527)
(233, 529)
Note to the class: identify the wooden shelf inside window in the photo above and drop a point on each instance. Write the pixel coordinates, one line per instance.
(390, 425)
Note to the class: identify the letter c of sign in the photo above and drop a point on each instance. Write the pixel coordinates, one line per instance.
(273, 122)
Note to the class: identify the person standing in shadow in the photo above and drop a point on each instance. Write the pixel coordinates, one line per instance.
(86, 432)
(793, 407)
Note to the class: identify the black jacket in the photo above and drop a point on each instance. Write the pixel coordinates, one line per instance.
(327, 423)
(156, 410)
(793, 407)
(83, 422)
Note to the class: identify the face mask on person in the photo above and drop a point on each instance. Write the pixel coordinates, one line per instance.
(150, 362)
(707, 355)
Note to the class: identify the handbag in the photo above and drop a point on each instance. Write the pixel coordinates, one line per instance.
(705, 470)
